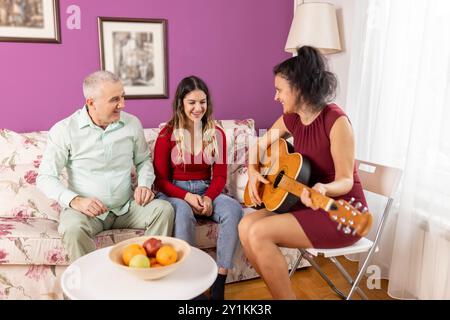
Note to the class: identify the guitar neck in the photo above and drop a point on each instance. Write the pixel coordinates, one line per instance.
(296, 188)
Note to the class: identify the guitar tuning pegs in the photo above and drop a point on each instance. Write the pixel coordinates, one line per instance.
(364, 210)
(341, 202)
(347, 208)
(351, 222)
(335, 217)
(339, 226)
(358, 205)
(352, 200)
(354, 232)
(354, 213)
(342, 220)
(347, 230)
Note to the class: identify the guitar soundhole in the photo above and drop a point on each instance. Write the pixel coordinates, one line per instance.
(278, 179)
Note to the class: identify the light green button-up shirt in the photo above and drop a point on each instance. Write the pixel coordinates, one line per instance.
(98, 161)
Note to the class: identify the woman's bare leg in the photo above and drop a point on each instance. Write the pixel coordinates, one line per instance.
(264, 238)
(244, 226)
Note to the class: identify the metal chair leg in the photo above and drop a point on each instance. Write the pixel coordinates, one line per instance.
(349, 279)
(374, 246)
(324, 276)
(364, 267)
(297, 262)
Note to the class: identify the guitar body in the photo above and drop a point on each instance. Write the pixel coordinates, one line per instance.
(280, 158)
(288, 174)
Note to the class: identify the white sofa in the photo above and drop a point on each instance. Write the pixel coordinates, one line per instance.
(32, 256)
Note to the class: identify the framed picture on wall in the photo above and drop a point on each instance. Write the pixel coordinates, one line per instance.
(29, 21)
(136, 50)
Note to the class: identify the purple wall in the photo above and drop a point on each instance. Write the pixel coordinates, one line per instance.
(231, 44)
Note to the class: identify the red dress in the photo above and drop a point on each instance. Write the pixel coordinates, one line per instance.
(313, 142)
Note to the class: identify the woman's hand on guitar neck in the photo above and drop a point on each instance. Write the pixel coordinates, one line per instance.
(255, 178)
(306, 195)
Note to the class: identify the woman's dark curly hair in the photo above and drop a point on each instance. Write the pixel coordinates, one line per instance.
(308, 74)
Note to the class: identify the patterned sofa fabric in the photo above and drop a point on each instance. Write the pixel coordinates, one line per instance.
(37, 241)
(20, 158)
(31, 282)
(26, 241)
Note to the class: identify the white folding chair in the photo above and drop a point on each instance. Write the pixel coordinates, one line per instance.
(378, 179)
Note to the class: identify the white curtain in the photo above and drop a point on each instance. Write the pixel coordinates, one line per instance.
(398, 102)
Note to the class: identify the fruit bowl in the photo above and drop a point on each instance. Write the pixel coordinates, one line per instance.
(182, 248)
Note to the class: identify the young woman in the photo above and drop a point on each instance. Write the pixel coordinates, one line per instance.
(191, 172)
(323, 134)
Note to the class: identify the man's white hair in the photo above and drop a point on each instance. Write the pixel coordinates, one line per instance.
(93, 82)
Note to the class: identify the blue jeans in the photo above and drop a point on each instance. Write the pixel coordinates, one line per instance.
(227, 212)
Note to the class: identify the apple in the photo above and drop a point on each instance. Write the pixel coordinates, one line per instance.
(151, 246)
(139, 261)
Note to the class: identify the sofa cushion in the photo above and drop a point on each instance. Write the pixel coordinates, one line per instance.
(20, 148)
(151, 135)
(37, 241)
(20, 157)
(238, 134)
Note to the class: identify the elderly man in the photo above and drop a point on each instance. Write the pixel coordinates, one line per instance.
(98, 145)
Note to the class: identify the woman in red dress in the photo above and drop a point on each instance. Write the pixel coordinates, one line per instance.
(323, 134)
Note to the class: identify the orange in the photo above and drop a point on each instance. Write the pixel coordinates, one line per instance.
(132, 250)
(166, 255)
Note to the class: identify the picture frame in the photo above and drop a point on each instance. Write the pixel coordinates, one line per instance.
(136, 50)
(30, 21)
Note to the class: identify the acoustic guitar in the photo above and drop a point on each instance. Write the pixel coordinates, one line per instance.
(288, 174)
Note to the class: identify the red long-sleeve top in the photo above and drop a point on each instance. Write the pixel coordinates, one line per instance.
(167, 170)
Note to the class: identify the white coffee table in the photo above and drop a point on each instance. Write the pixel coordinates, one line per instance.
(94, 277)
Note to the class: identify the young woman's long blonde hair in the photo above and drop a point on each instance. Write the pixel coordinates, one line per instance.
(179, 121)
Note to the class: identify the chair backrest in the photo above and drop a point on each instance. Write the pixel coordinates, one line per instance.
(382, 180)
(379, 179)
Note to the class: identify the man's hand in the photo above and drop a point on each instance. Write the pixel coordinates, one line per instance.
(143, 196)
(207, 206)
(195, 201)
(91, 207)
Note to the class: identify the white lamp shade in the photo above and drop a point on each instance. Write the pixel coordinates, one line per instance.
(314, 24)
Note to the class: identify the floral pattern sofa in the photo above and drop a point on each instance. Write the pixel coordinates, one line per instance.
(32, 256)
